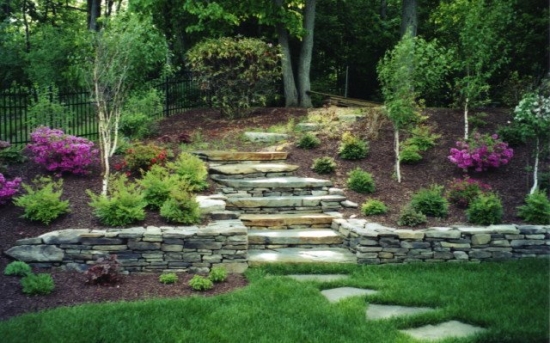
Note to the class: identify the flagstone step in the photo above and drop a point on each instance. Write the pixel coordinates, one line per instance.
(286, 221)
(297, 255)
(240, 155)
(294, 237)
(252, 168)
(276, 182)
(296, 202)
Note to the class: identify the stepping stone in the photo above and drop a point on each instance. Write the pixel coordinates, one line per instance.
(318, 277)
(294, 237)
(448, 329)
(284, 201)
(337, 294)
(297, 255)
(242, 169)
(265, 136)
(375, 311)
(274, 182)
(283, 220)
(240, 155)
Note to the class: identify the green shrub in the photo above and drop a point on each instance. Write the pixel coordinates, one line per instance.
(138, 115)
(43, 202)
(190, 169)
(168, 278)
(308, 141)
(410, 217)
(360, 181)
(462, 191)
(536, 209)
(511, 134)
(217, 274)
(137, 125)
(422, 137)
(181, 207)
(12, 155)
(124, 204)
(141, 157)
(200, 283)
(430, 201)
(18, 268)
(410, 154)
(37, 284)
(486, 209)
(324, 165)
(373, 207)
(157, 184)
(352, 147)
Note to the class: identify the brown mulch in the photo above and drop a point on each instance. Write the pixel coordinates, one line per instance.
(512, 183)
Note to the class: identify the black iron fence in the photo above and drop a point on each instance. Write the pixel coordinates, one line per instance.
(78, 114)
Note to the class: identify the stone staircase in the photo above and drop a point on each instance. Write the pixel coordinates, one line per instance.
(288, 217)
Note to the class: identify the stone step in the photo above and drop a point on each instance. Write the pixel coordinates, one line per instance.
(240, 155)
(249, 168)
(286, 221)
(297, 255)
(294, 237)
(286, 201)
(276, 182)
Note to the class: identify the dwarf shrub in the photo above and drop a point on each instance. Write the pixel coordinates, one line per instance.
(422, 137)
(410, 217)
(59, 152)
(200, 283)
(410, 154)
(373, 207)
(352, 147)
(190, 169)
(536, 209)
(360, 181)
(430, 201)
(486, 209)
(37, 284)
(168, 278)
(181, 207)
(138, 115)
(105, 271)
(157, 184)
(481, 152)
(18, 268)
(217, 274)
(8, 188)
(462, 191)
(141, 157)
(308, 141)
(43, 202)
(323, 165)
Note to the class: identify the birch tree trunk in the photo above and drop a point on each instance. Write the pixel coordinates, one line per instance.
(466, 135)
(536, 169)
(397, 155)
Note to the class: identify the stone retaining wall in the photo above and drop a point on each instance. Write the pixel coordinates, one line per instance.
(139, 249)
(377, 244)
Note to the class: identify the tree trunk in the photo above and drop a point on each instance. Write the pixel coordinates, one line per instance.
(94, 12)
(383, 9)
(397, 155)
(306, 51)
(289, 83)
(409, 18)
(536, 169)
(466, 119)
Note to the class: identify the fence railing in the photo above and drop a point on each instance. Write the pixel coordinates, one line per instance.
(79, 114)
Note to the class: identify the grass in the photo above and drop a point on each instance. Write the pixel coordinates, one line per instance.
(510, 299)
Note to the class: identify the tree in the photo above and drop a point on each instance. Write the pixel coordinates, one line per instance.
(409, 18)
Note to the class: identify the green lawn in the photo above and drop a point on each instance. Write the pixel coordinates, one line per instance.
(510, 299)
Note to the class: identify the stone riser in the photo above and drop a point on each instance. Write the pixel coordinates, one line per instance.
(281, 210)
(262, 192)
(289, 227)
(252, 175)
(299, 246)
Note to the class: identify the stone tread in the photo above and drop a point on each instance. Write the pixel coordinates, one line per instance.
(240, 155)
(249, 168)
(278, 220)
(294, 237)
(276, 182)
(284, 201)
(297, 255)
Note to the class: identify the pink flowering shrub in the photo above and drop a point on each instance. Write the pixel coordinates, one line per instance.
(481, 152)
(8, 188)
(463, 191)
(60, 152)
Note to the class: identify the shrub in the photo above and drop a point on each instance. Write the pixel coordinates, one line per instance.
(200, 283)
(59, 152)
(536, 209)
(430, 201)
(12, 155)
(137, 125)
(373, 207)
(238, 72)
(422, 137)
(324, 165)
(181, 207)
(511, 134)
(124, 204)
(141, 157)
(410, 154)
(157, 184)
(190, 169)
(486, 209)
(352, 147)
(18, 268)
(43, 202)
(138, 115)
(308, 141)
(37, 284)
(105, 271)
(168, 278)
(410, 217)
(481, 152)
(217, 274)
(463, 191)
(8, 188)
(360, 181)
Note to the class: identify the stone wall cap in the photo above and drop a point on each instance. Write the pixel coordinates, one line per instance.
(504, 229)
(69, 236)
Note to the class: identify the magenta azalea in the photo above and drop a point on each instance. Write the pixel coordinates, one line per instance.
(481, 152)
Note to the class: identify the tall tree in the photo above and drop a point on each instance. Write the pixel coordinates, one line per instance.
(306, 50)
(409, 17)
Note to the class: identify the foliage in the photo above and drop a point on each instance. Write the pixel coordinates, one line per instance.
(511, 134)
(486, 209)
(141, 157)
(323, 165)
(18, 268)
(200, 283)
(137, 120)
(360, 181)
(43, 201)
(373, 207)
(352, 147)
(190, 169)
(463, 191)
(217, 274)
(48, 110)
(430, 201)
(137, 125)
(59, 152)
(168, 278)
(181, 207)
(8, 188)
(239, 72)
(157, 184)
(410, 154)
(105, 271)
(124, 204)
(410, 217)
(11, 155)
(477, 120)
(423, 137)
(481, 152)
(308, 141)
(37, 284)
(536, 209)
